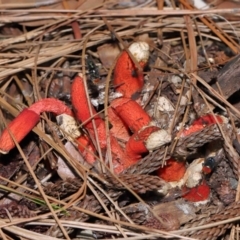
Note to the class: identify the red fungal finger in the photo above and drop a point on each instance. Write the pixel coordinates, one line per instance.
(19, 127)
(136, 146)
(145, 137)
(127, 79)
(50, 105)
(141, 142)
(198, 193)
(173, 170)
(80, 104)
(27, 119)
(131, 113)
(83, 141)
(79, 101)
(82, 112)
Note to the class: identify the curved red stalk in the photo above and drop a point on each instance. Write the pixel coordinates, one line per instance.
(128, 82)
(131, 113)
(80, 104)
(79, 101)
(50, 105)
(145, 137)
(136, 146)
(196, 194)
(81, 109)
(208, 120)
(173, 170)
(19, 127)
(27, 119)
(126, 76)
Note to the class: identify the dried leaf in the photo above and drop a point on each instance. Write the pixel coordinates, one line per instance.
(64, 171)
(107, 54)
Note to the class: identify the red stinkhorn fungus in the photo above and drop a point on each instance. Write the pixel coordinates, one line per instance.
(201, 123)
(127, 79)
(19, 127)
(196, 194)
(136, 145)
(79, 101)
(27, 119)
(80, 104)
(131, 113)
(172, 171)
(50, 105)
(147, 139)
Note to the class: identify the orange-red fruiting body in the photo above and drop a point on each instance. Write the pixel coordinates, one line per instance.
(201, 123)
(127, 79)
(135, 147)
(79, 101)
(28, 118)
(118, 156)
(131, 113)
(19, 127)
(50, 105)
(173, 170)
(80, 104)
(196, 194)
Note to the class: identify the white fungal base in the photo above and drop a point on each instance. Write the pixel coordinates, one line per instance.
(164, 189)
(199, 4)
(192, 176)
(3, 152)
(140, 50)
(69, 126)
(194, 173)
(157, 139)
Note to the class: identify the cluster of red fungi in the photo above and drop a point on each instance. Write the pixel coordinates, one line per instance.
(129, 122)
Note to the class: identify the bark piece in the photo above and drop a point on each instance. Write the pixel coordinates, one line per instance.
(228, 77)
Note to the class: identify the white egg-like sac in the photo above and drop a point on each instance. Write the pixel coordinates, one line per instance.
(140, 50)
